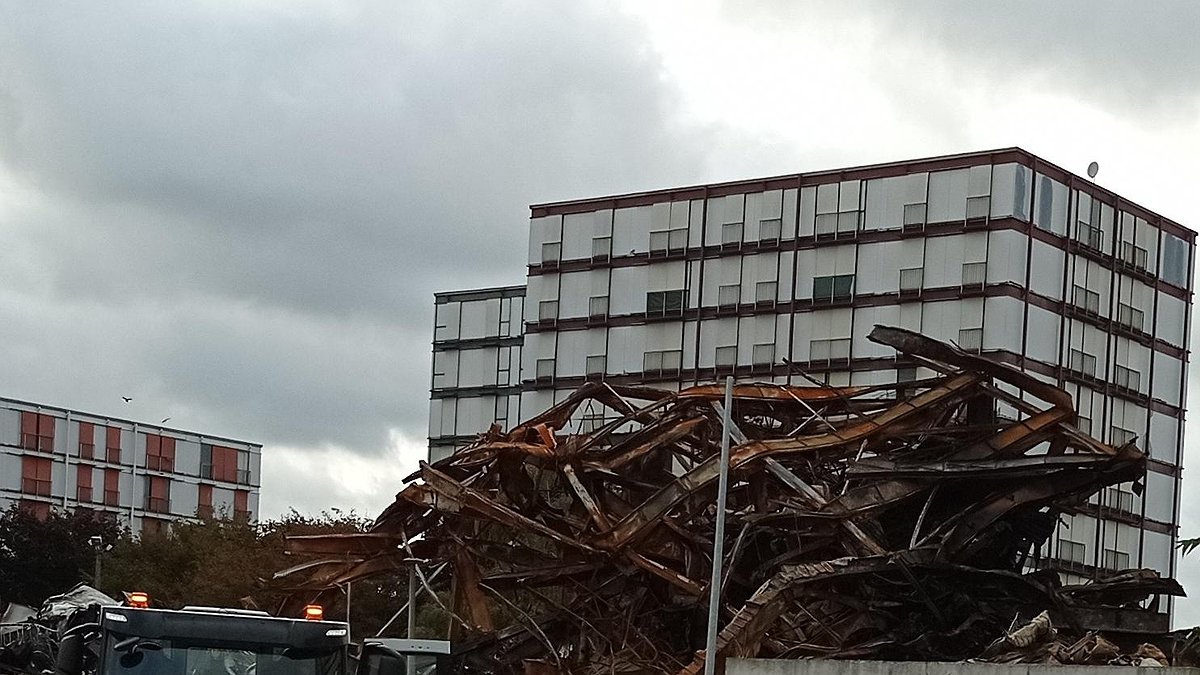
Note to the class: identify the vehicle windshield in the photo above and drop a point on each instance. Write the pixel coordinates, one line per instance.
(137, 656)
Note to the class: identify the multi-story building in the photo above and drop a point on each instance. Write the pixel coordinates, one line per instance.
(476, 364)
(145, 474)
(781, 279)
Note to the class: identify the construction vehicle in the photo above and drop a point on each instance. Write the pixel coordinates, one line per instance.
(87, 633)
(138, 640)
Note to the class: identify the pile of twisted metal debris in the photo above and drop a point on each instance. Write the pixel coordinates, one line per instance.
(883, 522)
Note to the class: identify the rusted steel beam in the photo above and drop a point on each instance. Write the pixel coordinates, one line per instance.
(890, 521)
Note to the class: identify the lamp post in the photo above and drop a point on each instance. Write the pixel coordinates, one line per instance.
(97, 543)
(714, 586)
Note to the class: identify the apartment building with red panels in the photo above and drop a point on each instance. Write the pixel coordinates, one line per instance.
(145, 474)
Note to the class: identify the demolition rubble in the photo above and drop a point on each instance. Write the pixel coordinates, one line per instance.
(891, 522)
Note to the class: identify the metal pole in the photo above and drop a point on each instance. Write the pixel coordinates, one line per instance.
(96, 576)
(714, 585)
(410, 666)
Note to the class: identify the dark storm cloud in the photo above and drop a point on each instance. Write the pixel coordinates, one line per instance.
(241, 211)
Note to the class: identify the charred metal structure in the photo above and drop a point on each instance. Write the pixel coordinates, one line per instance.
(881, 522)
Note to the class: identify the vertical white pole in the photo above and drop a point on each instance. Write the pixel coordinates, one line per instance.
(410, 665)
(714, 586)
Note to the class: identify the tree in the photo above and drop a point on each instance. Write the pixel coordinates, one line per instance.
(41, 557)
(225, 562)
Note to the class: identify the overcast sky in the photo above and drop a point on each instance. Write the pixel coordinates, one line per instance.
(237, 213)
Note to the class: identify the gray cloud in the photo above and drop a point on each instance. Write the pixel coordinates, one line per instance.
(1136, 58)
(240, 213)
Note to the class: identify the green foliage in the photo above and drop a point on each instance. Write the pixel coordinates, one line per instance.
(40, 558)
(217, 562)
(229, 563)
(1186, 546)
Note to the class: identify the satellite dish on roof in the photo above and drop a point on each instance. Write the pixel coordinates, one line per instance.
(1093, 169)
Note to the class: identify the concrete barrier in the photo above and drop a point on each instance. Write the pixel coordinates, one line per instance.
(830, 667)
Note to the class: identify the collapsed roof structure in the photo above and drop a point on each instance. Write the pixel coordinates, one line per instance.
(884, 522)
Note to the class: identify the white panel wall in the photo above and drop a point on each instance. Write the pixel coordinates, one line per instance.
(1003, 324)
(866, 318)
(1046, 270)
(886, 197)
(1170, 323)
(1168, 373)
(629, 286)
(1006, 257)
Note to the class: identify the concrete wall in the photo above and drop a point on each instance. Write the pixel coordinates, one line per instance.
(812, 667)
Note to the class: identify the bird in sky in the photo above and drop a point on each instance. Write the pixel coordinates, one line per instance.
(127, 399)
(164, 420)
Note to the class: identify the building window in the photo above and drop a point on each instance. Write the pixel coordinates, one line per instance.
(112, 487)
(1089, 236)
(544, 369)
(547, 310)
(978, 207)
(970, 339)
(87, 440)
(974, 273)
(551, 252)
(914, 214)
(1134, 255)
(911, 278)
(112, 445)
(667, 361)
(158, 494)
(1175, 256)
(1127, 378)
(662, 241)
(765, 291)
(1084, 364)
(160, 453)
(763, 354)
(241, 505)
(596, 364)
(664, 303)
(37, 432)
(243, 467)
(829, 349)
(727, 356)
(731, 233)
(220, 463)
(204, 502)
(831, 288)
(1088, 301)
(1121, 500)
(500, 415)
(826, 224)
(35, 475)
(770, 230)
(601, 247)
(729, 295)
(83, 483)
(1115, 560)
(1133, 318)
(598, 305)
(847, 222)
(1083, 424)
(1072, 551)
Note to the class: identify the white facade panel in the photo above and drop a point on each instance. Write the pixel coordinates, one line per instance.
(1003, 324)
(887, 197)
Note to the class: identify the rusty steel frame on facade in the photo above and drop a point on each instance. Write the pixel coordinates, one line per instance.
(892, 521)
